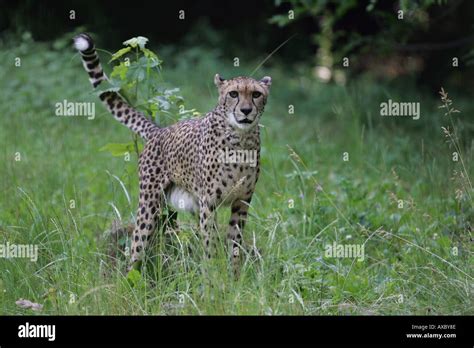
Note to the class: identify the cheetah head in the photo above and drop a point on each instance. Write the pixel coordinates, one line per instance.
(243, 99)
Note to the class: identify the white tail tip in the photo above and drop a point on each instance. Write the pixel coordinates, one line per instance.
(81, 44)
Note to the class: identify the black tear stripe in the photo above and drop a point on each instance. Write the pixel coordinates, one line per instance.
(235, 107)
(253, 102)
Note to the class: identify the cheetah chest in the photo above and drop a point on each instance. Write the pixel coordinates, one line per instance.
(235, 182)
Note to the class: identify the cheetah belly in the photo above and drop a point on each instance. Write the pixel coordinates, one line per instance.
(182, 200)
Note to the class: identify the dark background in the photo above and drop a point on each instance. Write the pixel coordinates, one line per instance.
(410, 266)
(432, 33)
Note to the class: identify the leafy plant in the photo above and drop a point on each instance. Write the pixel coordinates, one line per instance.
(137, 77)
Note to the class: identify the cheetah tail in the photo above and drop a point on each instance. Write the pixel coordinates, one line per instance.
(84, 44)
(117, 106)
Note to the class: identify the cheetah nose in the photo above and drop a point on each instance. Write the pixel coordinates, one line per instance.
(246, 111)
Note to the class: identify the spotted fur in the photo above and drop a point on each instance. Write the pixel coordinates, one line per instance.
(182, 163)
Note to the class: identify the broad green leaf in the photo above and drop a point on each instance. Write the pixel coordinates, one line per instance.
(137, 71)
(120, 53)
(120, 149)
(120, 71)
(134, 277)
(150, 54)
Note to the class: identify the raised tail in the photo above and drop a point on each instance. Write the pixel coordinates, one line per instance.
(123, 112)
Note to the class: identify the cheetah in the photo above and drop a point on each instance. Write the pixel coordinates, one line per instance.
(183, 166)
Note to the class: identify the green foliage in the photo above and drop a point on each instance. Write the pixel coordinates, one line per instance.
(329, 12)
(334, 42)
(119, 149)
(137, 76)
(134, 277)
(409, 250)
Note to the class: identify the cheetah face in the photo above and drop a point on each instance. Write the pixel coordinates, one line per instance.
(243, 99)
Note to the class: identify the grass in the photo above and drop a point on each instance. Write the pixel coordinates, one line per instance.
(394, 195)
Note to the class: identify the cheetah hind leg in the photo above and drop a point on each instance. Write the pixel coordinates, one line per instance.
(149, 210)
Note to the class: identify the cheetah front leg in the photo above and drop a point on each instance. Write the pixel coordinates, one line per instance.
(236, 227)
(206, 224)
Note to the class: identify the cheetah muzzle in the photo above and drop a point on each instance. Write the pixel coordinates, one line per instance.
(187, 165)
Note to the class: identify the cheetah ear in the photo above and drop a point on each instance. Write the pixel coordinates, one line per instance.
(266, 80)
(218, 80)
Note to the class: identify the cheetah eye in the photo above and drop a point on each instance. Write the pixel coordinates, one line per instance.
(256, 94)
(234, 94)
